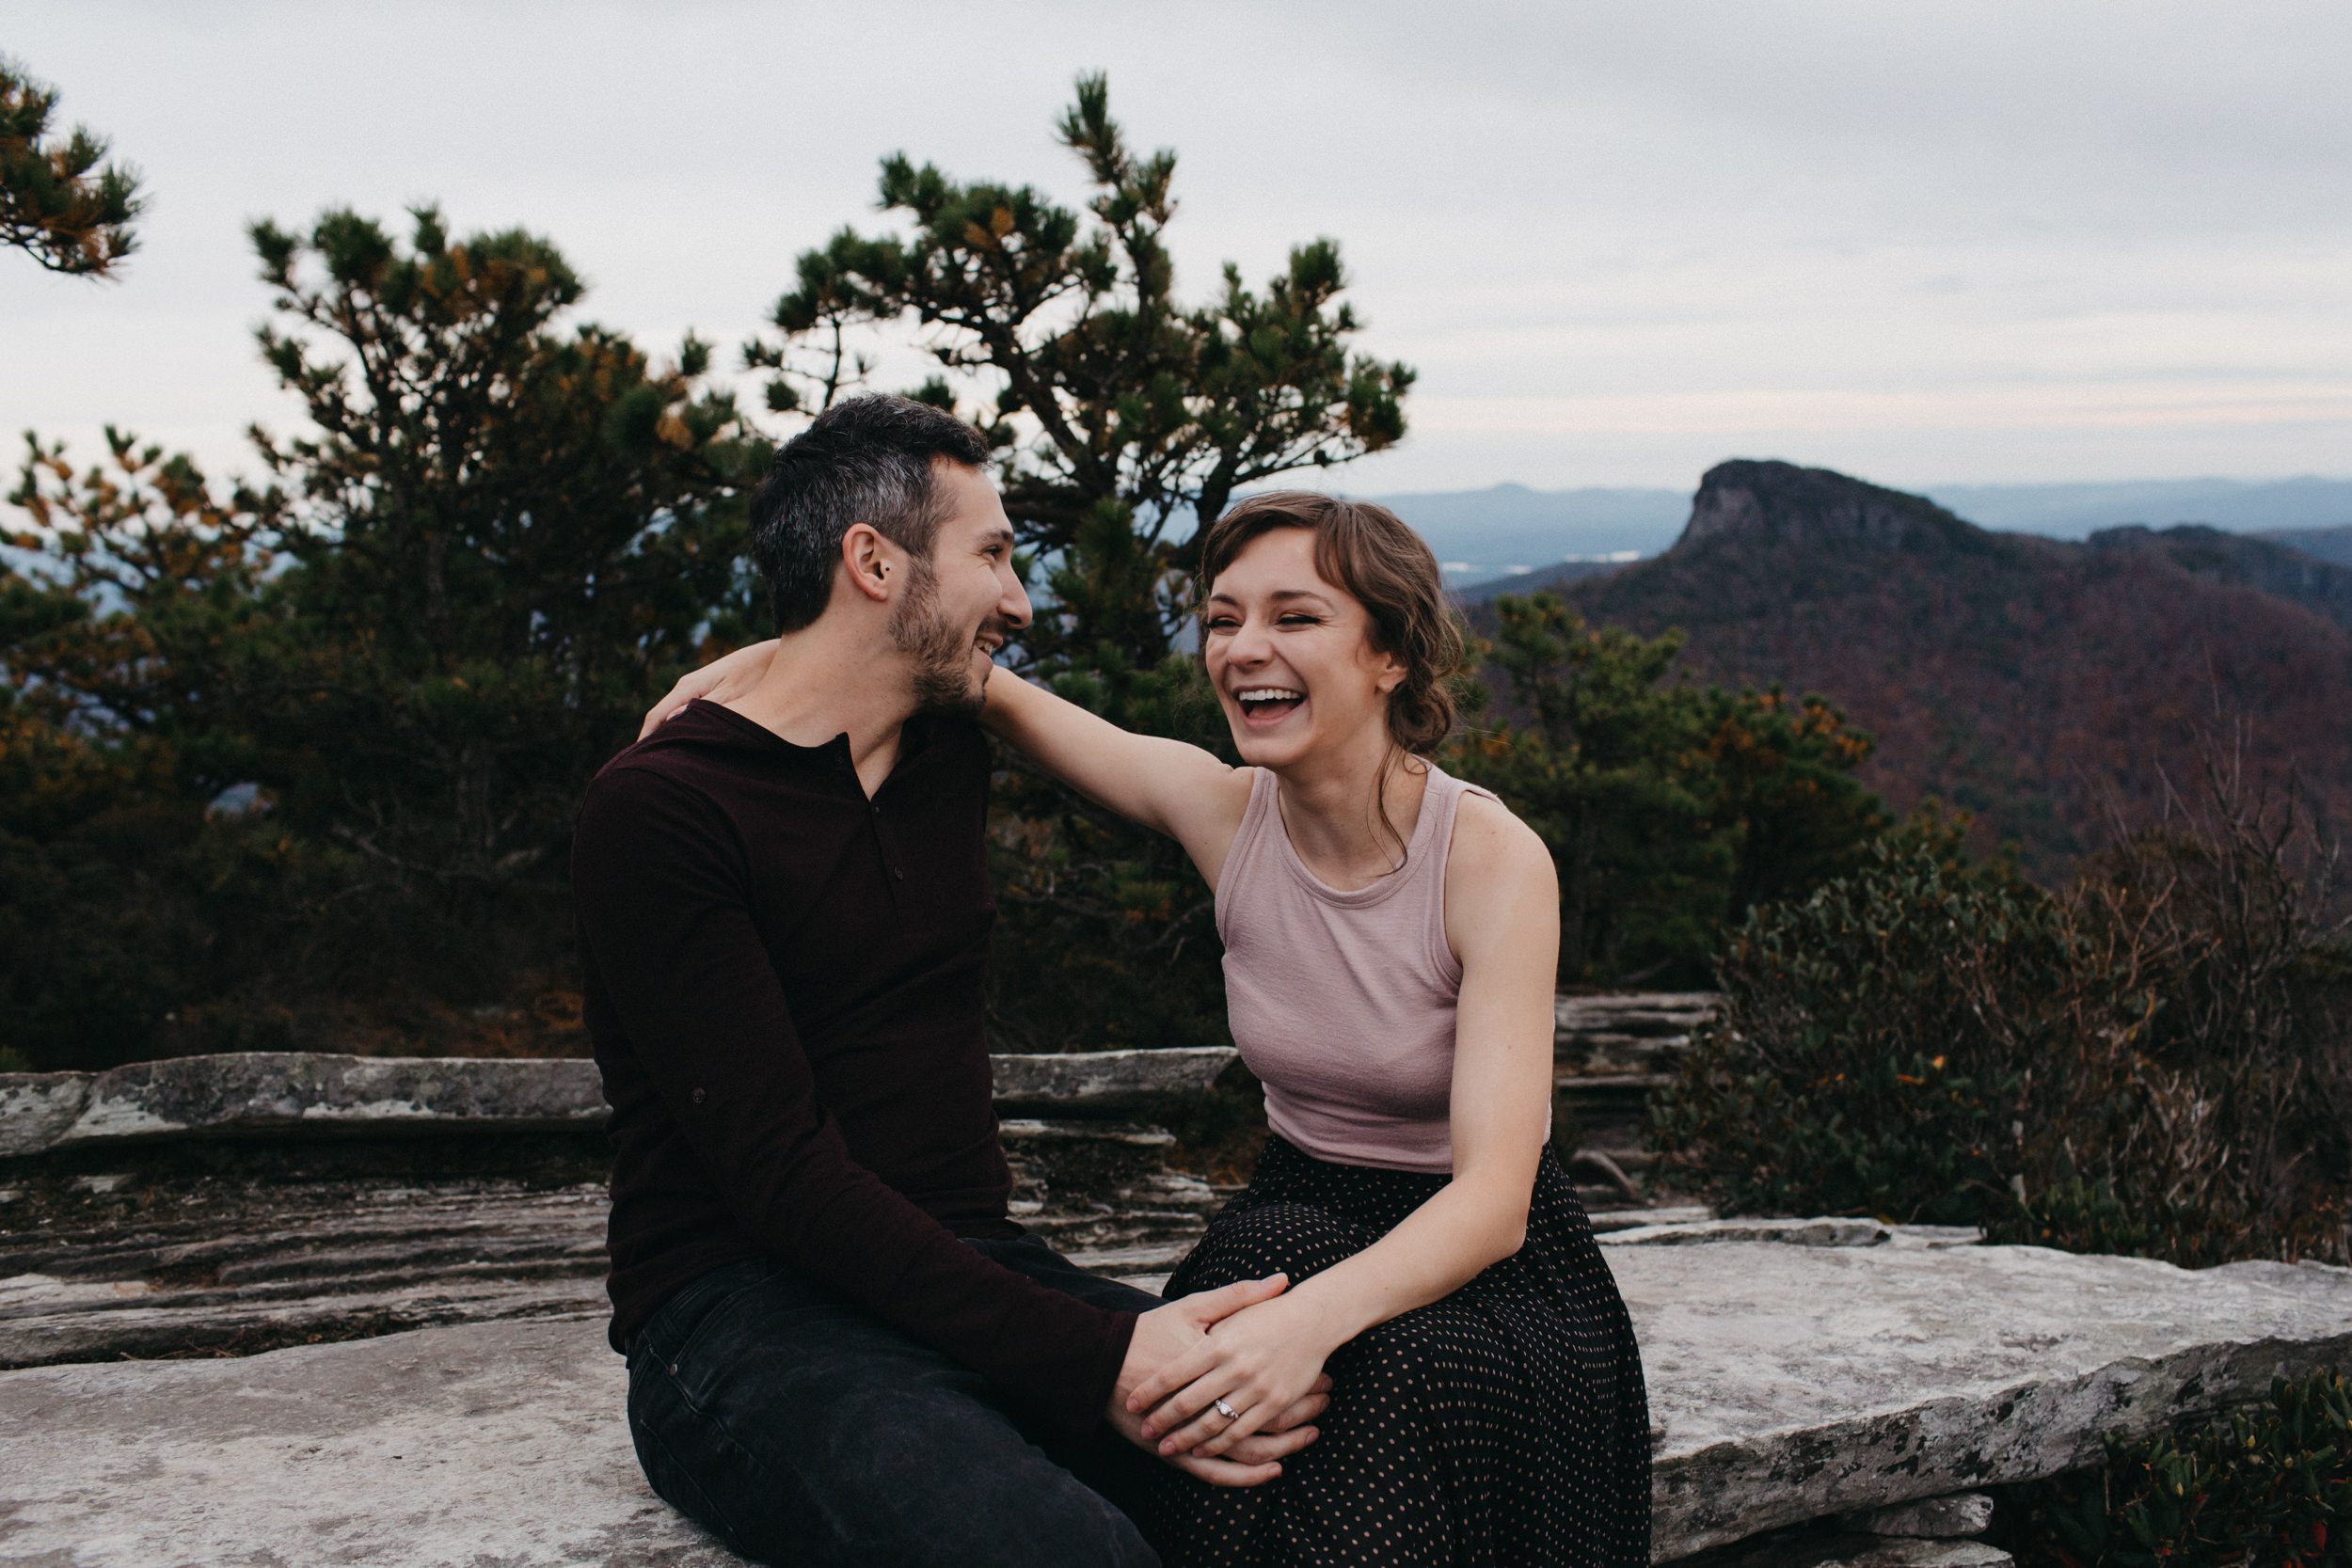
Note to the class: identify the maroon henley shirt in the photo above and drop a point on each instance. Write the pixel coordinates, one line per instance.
(784, 992)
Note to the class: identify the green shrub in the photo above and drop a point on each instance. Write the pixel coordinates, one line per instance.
(1868, 1059)
(2271, 1486)
(2154, 1061)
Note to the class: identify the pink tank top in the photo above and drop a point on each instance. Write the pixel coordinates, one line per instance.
(1343, 1002)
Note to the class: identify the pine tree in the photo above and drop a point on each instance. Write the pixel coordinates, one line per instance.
(493, 539)
(1670, 808)
(1126, 421)
(60, 203)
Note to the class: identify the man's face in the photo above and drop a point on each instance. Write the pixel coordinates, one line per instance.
(964, 601)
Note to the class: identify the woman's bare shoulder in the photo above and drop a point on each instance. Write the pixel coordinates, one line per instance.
(1491, 842)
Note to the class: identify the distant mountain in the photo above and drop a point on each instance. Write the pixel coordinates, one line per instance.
(2245, 560)
(2075, 511)
(1483, 535)
(2331, 545)
(1549, 578)
(2023, 677)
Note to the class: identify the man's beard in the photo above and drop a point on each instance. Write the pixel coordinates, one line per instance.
(942, 652)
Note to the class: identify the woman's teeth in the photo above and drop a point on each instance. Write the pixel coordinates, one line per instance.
(1268, 702)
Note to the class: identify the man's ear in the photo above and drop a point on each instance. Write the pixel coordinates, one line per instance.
(872, 560)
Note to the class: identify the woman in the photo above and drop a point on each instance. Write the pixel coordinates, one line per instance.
(1391, 942)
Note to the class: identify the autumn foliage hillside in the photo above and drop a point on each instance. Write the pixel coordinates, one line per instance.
(2035, 682)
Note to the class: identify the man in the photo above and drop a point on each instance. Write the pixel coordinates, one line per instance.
(840, 1348)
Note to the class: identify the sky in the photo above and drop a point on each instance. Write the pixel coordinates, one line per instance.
(2004, 241)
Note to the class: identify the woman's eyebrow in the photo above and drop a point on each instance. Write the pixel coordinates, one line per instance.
(1277, 594)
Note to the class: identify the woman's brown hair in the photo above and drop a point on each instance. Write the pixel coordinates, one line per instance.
(1384, 566)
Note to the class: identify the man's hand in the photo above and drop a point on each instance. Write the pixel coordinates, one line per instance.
(721, 681)
(1167, 1334)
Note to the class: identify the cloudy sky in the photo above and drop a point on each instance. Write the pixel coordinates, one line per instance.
(1934, 243)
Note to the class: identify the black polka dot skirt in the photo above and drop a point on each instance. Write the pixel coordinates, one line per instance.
(1504, 1426)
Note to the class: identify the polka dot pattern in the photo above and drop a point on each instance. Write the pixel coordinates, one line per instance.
(1504, 1426)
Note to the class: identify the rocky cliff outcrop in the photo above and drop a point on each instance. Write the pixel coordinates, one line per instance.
(2039, 683)
(1781, 504)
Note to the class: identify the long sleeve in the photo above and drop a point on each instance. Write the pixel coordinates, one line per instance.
(668, 933)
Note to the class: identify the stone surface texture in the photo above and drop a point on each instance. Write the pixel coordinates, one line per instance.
(35, 1108)
(232, 1204)
(1083, 1082)
(495, 1446)
(1851, 1550)
(1608, 1054)
(1826, 1231)
(1933, 1518)
(310, 1094)
(1791, 1384)
(181, 1257)
(1795, 1383)
(292, 1092)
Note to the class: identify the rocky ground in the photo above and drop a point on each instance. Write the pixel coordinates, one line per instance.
(1795, 1388)
(418, 1246)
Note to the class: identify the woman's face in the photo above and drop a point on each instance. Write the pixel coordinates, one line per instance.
(1291, 655)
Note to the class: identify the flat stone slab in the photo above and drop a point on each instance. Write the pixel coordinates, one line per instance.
(1790, 1384)
(1863, 1550)
(1962, 1513)
(283, 1092)
(311, 1094)
(1825, 1231)
(1081, 1081)
(158, 1261)
(492, 1445)
(1794, 1383)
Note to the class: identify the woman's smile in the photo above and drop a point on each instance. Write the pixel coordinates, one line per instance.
(1264, 707)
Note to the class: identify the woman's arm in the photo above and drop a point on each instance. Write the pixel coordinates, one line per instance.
(1502, 916)
(1163, 785)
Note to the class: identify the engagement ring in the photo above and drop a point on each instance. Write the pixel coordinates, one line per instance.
(1226, 1410)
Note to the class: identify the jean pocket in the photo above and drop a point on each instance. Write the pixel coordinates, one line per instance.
(714, 1342)
(669, 1334)
(660, 1422)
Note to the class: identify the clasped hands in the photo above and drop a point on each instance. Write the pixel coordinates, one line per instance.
(1238, 1344)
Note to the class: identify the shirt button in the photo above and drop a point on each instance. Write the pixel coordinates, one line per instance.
(898, 874)
(699, 1095)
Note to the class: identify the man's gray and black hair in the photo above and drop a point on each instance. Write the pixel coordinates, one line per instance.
(865, 460)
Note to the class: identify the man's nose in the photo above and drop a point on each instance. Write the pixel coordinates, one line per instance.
(1014, 606)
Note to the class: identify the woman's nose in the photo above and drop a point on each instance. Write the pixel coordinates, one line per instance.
(1248, 644)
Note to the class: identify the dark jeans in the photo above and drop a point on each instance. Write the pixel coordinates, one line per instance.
(801, 1430)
